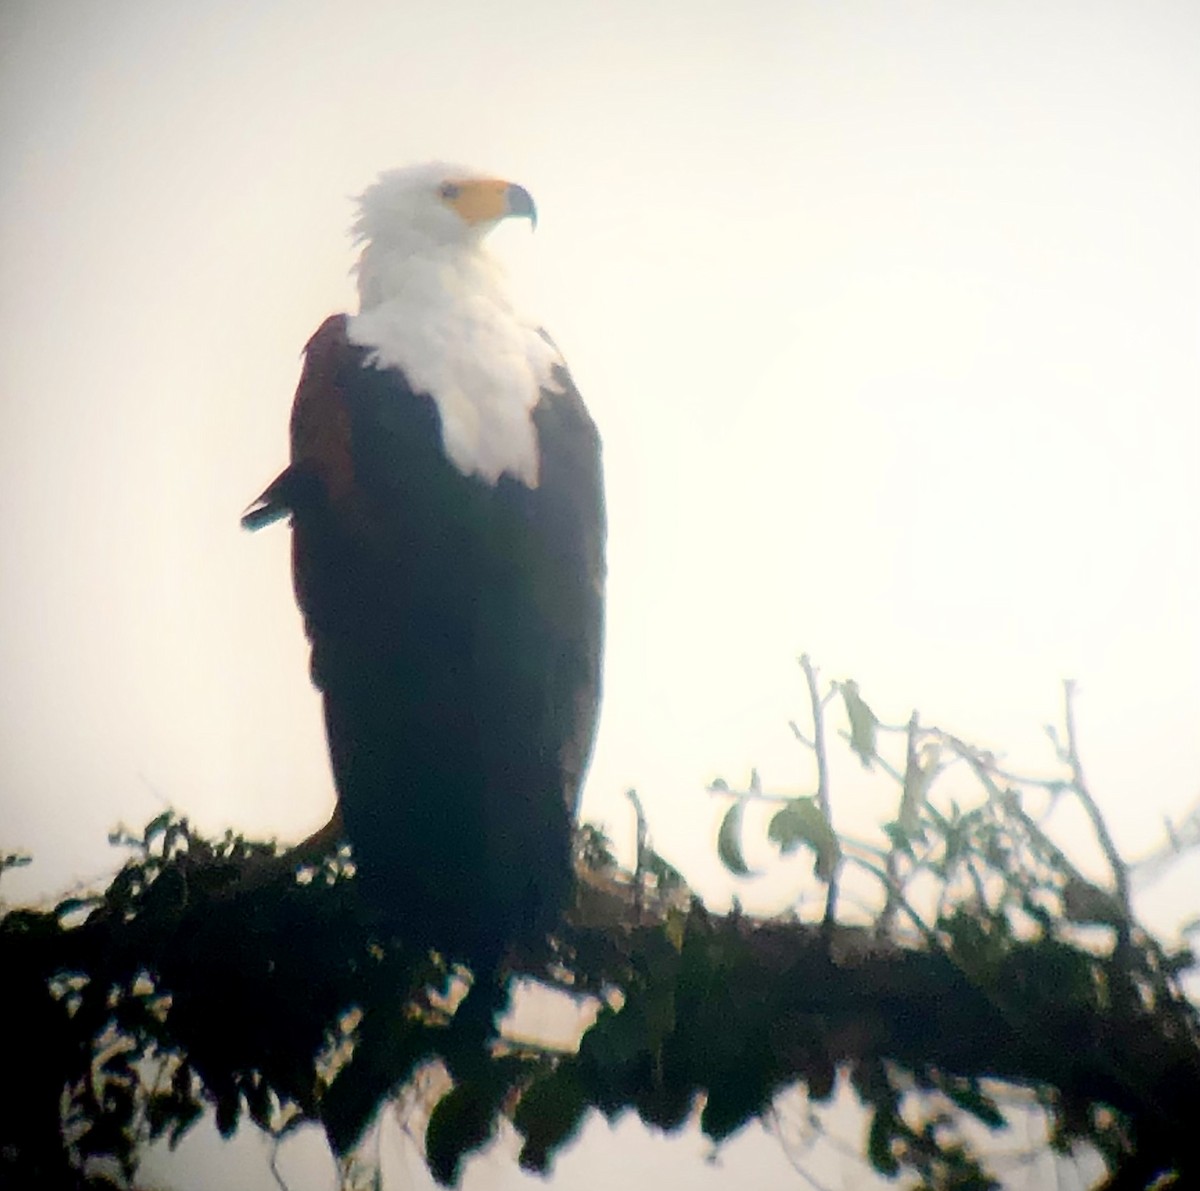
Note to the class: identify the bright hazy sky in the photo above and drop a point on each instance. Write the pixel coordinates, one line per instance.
(888, 313)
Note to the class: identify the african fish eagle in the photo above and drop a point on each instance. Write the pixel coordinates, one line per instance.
(447, 509)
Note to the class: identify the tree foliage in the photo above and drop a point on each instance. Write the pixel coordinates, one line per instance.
(228, 975)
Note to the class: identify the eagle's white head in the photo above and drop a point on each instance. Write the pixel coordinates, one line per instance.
(434, 305)
(429, 211)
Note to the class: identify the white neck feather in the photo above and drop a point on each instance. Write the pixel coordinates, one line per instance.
(443, 316)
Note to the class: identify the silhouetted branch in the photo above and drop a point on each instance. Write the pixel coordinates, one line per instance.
(226, 976)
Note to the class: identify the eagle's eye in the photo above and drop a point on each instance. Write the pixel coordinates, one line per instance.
(449, 191)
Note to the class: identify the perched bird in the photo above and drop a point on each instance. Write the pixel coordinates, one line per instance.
(447, 507)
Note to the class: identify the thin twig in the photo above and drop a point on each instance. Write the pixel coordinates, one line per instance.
(1182, 837)
(639, 872)
(728, 791)
(776, 1119)
(877, 759)
(818, 738)
(911, 764)
(976, 883)
(1052, 785)
(1120, 873)
(823, 801)
(927, 932)
(804, 740)
(273, 1166)
(1079, 784)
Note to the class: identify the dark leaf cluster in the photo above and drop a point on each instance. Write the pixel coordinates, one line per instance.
(223, 976)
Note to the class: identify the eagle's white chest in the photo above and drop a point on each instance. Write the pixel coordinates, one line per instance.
(449, 326)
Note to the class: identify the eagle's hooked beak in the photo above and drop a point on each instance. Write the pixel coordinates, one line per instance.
(520, 204)
(488, 200)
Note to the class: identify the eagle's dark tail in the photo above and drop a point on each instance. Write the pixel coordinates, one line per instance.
(294, 488)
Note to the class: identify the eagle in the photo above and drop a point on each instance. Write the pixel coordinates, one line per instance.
(446, 498)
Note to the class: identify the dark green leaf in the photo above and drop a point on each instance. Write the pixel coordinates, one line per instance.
(186, 1115)
(594, 848)
(72, 905)
(228, 1106)
(820, 1076)
(615, 1054)
(729, 841)
(802, 822)
(258, 1103)
(549, 1114)
(666, 876)
(156, 827)
(967, 1095)
(664, 1104)
(1087, 903)
(917, 775)
(742, 1094)
(461, 1121)
(899, 837)
(386, 1054)
(863, 722)
(879, 1142)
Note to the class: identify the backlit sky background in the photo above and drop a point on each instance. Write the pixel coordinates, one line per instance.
(888, 313)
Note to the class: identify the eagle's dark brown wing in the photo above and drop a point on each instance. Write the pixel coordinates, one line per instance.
(456, 630)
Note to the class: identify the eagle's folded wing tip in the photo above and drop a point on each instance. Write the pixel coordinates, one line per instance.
(264, 511)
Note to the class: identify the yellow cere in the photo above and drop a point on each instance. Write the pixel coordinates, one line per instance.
(477, 200)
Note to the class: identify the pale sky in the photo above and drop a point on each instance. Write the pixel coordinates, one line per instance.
(888, 313)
